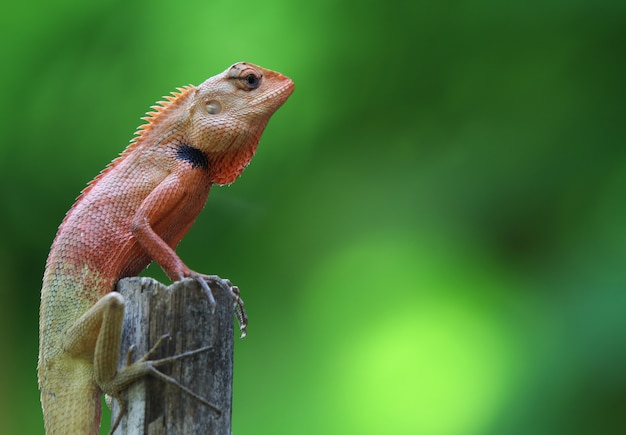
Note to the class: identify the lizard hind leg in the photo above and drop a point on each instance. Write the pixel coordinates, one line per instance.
(97, 335)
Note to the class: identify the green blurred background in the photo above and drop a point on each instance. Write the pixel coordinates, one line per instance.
(430, 239)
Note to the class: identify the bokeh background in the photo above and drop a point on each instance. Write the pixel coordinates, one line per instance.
(430, 239)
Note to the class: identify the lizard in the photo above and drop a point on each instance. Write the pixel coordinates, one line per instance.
(133, 212)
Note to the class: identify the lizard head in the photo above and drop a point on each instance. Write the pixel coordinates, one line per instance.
(227, 114)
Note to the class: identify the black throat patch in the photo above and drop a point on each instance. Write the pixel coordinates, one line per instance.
(194, 156)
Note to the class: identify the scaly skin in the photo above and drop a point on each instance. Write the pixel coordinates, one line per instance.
(136, 211)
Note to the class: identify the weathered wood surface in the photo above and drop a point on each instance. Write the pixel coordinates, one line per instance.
(181, 310)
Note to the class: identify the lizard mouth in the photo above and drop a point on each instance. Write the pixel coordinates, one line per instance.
(278, 96)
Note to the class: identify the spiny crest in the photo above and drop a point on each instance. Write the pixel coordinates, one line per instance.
(152, 119)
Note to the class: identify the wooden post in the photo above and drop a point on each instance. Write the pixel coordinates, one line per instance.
(181, 310)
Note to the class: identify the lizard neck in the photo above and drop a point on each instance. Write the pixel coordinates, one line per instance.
(227, 165)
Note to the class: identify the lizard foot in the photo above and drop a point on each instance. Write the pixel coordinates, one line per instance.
(143, 366)
(240, 309)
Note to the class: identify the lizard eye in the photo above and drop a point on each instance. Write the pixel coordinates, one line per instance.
(213, 107)
(252, 81)
(247, 79)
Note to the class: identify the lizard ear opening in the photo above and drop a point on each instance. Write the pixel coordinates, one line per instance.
(213, 107)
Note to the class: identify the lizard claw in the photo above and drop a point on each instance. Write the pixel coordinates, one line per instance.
(202, 280)
(240, 309)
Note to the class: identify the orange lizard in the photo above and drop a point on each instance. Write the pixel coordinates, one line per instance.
(136, 211)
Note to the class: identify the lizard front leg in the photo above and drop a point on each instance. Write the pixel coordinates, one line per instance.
(97, 334)
(164, 205)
